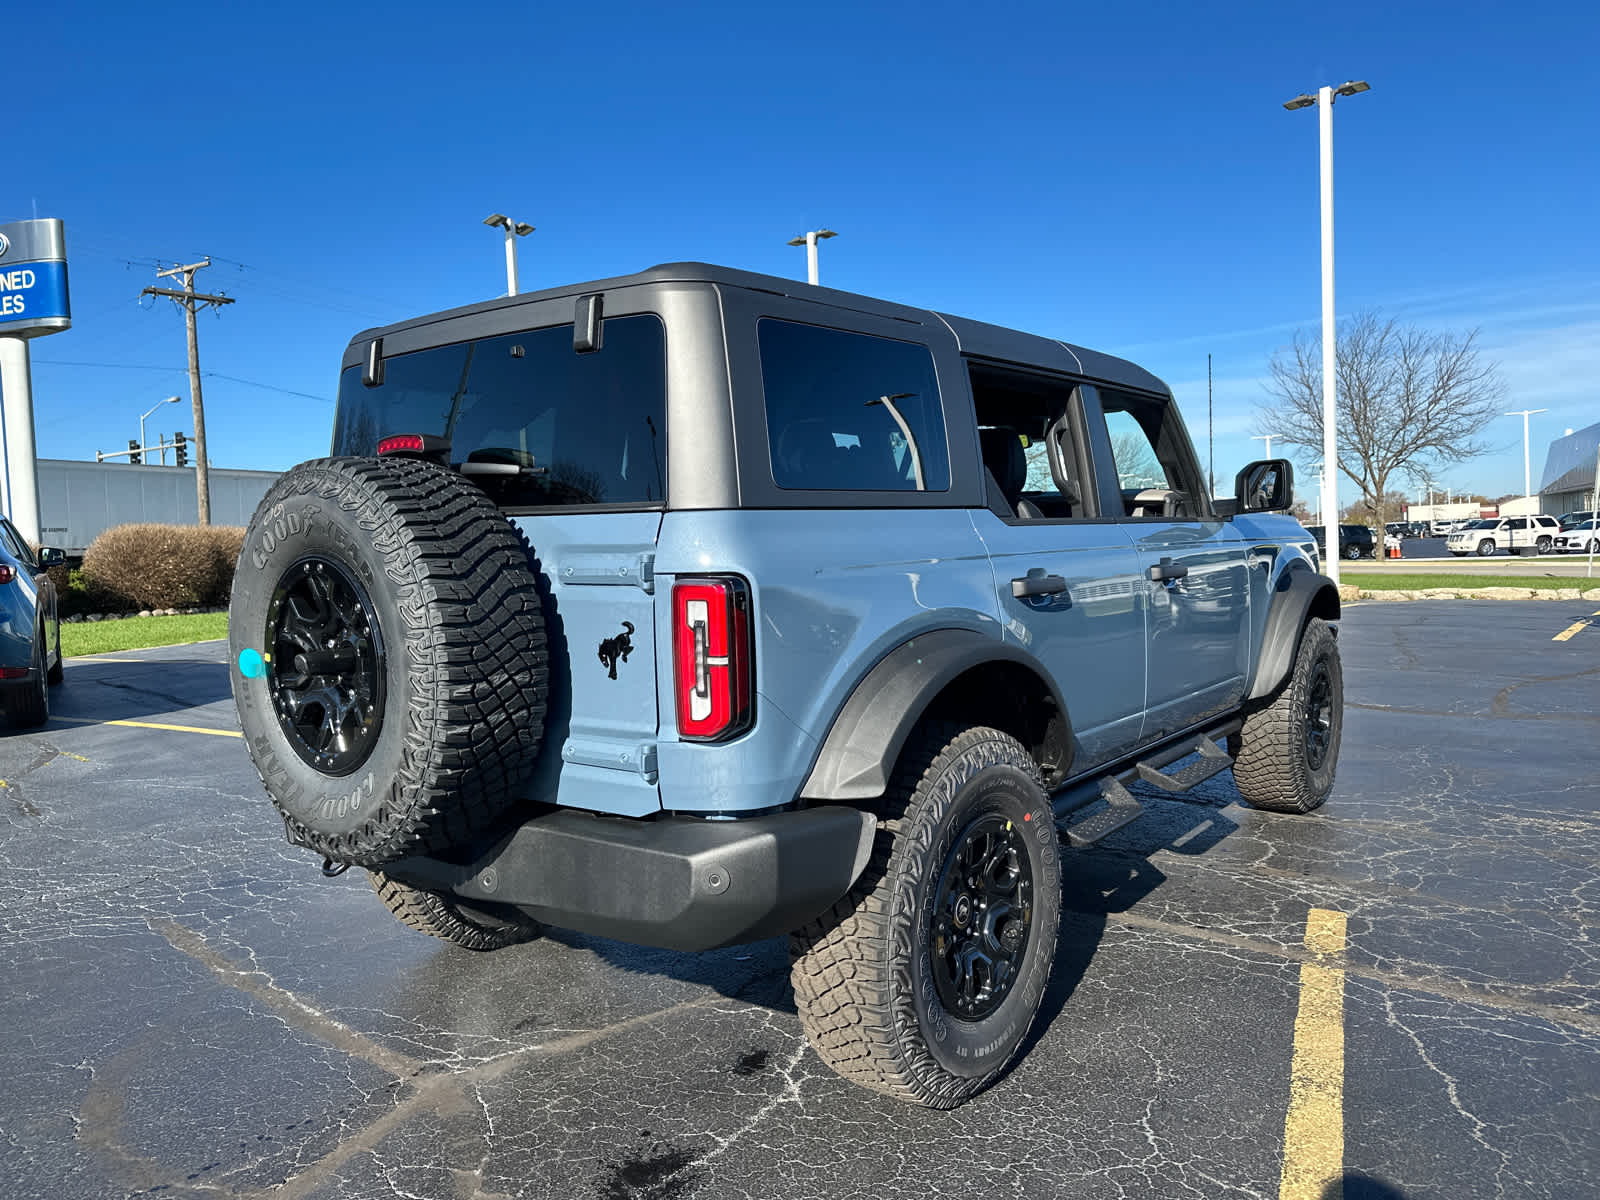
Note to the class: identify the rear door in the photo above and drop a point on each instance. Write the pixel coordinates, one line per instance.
(571, 445)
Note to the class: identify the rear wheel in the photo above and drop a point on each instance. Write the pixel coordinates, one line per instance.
(1543, 544)
(1352, 551)
(28, 705)
(1286, 754)
(923, 981)
(445, 917)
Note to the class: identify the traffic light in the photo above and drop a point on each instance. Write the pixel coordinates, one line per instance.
(181, 445)
(133, 446)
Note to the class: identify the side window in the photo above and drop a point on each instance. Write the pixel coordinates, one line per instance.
(1152, 457)
(15, 545)
(1517, 523)
(1137, 465)
(850, 412)
(1027, 431)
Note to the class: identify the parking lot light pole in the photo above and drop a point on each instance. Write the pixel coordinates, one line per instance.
(1330, 446)
(168, 400)
(809, 241)
(1265, 437)
(514, 230)
(1527, 475)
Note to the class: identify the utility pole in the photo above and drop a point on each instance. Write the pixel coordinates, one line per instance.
(192, 301)
(1211, 434)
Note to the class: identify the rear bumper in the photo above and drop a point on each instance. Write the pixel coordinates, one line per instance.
(677, 882)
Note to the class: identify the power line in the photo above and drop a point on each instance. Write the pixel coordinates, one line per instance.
(191, 302)
(271, 387)
(256, 383)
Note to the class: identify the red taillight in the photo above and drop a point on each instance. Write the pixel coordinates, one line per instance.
(712, 657)
(7, 572)
(13, 672)
(410, 443)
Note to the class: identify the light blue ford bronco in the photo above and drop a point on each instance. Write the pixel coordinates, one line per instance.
(698, 607)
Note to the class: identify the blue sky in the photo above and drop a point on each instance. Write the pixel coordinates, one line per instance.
(1122, 176)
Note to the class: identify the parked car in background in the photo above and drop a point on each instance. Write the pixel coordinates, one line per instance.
(1520, 535)
(1355, 541)
(1569, 520)
(30, 628)
(1582, 538)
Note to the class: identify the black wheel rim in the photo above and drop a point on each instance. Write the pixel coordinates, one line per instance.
(1319, 716)
(327, 665)
(982, 917)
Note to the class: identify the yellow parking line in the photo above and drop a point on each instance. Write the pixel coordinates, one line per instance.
(1313, 1130)
(1572, 630)
(151, 725)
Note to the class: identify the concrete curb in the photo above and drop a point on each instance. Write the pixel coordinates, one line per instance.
(1351, 592)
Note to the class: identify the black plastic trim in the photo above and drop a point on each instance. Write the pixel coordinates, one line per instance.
(1296, 594)
(871, 729)
(680, 883)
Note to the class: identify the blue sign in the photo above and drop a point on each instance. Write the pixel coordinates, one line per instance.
(33, 278)
(31, 293)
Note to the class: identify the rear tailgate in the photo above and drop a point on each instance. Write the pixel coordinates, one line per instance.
(596, 573)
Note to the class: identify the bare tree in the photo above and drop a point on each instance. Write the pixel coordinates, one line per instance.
(1409, 401)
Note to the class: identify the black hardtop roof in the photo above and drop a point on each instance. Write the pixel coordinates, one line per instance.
(975, 338)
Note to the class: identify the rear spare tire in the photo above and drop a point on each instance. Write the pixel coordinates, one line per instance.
(389, 657)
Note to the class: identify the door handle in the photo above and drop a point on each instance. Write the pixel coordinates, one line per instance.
(1037, 585)
(1166, 571)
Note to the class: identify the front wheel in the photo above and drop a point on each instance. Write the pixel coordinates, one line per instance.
(923, 980)
(1485, 548)
(58, 670)
(1286, 754)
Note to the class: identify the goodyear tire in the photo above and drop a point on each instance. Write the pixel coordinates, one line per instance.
(923, 981)
(1286, 754)
(453, 920)
(389, 657)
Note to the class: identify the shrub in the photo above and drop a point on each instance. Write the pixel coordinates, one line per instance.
(161, 566)
(73, 595)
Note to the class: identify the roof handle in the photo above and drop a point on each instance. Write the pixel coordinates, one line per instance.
(586, 324)
(372, 373)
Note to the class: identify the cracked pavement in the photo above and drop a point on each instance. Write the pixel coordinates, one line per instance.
(190, 1009)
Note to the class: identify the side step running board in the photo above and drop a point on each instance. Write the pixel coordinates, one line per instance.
(1213, 761)
(1122, 807)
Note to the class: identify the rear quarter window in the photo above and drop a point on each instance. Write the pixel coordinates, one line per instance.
(584, 428)
(850, 411)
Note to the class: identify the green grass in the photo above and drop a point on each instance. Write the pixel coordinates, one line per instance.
(138, 633)
(1385, 582)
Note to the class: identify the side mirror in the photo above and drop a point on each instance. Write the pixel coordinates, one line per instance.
(1266, 485)
(51, 556)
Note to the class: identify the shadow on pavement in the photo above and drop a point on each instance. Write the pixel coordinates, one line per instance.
(1356, 1186)
(121, 691)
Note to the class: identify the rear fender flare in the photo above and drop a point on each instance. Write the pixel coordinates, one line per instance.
(1298, 596)
(864, 743)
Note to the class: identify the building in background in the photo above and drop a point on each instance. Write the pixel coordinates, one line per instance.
(1569, 472)
(80, 500)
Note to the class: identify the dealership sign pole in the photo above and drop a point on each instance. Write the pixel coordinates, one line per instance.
(33, 302)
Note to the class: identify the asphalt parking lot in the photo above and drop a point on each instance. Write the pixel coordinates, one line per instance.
(190, 1009)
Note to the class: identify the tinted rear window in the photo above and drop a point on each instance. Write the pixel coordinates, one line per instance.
(851, 412)
(584, 428)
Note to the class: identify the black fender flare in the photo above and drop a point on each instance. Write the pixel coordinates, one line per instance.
(1298, 596)
(866, 738)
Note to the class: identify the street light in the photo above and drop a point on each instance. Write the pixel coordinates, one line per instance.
(809, 241)
(514, 230)
(1527, 478)
(153, 407)
(1265, 437)
(1330, 446)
